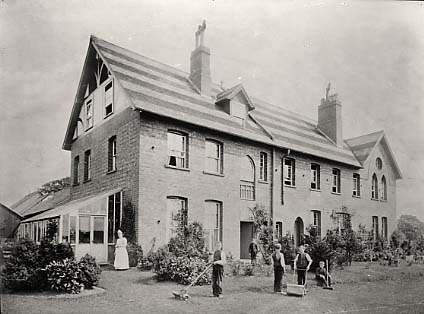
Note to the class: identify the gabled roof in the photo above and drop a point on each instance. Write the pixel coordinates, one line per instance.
(232, 92)
(35, 202)
(163, 90)
(363, 147)
(10, 210)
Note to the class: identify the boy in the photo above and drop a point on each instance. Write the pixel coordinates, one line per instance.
(302, 262)
(218, 270)
(321, 275)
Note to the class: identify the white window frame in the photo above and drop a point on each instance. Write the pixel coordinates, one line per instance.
(356, 190)
(374, 187)
(87, 165)
(263, 166)
(383, 193)
(315, 177)
(112, 154)
(289, 172)
(336, 181)
(317, 221)
(214, 234)
(76, 163)
(109, 102)
(375, 227)
(247, 179)
(177, 155)
(171, 224)
(213, 163)
(89, 113)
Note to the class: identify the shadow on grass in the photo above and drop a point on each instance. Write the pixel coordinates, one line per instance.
(151, 280)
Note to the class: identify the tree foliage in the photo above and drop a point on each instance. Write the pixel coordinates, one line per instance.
(411, 226)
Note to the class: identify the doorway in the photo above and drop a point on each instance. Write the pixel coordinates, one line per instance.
(92, 237)
(298, 231)
(246, 236)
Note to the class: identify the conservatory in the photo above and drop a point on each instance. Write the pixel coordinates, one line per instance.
(88, 224)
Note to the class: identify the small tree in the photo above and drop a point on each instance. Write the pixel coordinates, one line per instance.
(263, 230)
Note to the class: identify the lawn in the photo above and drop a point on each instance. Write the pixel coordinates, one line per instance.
(358, 289)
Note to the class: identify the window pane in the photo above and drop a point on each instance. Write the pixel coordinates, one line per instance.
(110, 219)
(65, 228)
(98, 232)
(72, 229)
(117, 212)
(84, 229)
(247, 170)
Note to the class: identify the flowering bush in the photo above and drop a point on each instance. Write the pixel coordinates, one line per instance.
(23, 268)
(89, 271)
(64, 276)
(135, 254)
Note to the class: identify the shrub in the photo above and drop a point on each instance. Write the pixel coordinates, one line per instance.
(53, 251)
(64, 276)
(22, 270)
(182, 269)
(135, 254)
(288, 249)
(89, 271)
(321, 251)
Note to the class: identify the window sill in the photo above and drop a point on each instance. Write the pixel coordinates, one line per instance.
(75, 184)
(384, 201)
(336, 193)
(111, 171)
(177, 168)
(213, 174)
(263, 182)
(245, 199)
(356, 196)
(375, 199)
(86, 181)
(314, 190)
(108, 115)
(290, 186)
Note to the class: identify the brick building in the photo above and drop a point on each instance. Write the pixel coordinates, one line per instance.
(147, 136)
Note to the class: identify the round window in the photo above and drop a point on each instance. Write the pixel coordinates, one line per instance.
(378, 163)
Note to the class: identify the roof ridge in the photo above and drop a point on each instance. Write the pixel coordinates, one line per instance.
(372, 133)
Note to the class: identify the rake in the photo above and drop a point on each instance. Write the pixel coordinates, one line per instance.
(327, 287)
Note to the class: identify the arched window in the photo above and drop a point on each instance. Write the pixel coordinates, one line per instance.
(383, 188)
(247, 179)
(374, 187)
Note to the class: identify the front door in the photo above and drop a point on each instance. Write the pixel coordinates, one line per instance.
(246, 236)
(92, 237)
(298, 231)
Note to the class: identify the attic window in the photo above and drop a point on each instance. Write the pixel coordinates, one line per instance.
(88, 113)
(238, 110)
(109, 99)
(378, 163)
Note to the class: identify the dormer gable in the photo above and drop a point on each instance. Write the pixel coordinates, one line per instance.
(94, 100)
(235, 102)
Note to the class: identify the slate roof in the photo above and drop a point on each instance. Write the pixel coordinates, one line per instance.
(163, 90)
(35, 202)
(362, 147)
(11, 210)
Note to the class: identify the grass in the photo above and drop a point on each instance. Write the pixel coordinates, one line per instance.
(376, 289)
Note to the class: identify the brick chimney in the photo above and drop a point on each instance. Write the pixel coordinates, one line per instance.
(200, 72)
(330, 117)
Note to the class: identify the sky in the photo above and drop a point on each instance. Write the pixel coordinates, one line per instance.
(284, 52)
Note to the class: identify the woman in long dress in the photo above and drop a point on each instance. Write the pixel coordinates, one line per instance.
(121, 254)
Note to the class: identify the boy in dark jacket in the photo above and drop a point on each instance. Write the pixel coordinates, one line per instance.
(302, 262)
(321, 275)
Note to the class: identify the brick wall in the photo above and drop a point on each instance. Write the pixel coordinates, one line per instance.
(125, 126)
(157, 181)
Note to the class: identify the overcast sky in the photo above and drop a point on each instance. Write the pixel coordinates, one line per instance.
(283, 52)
